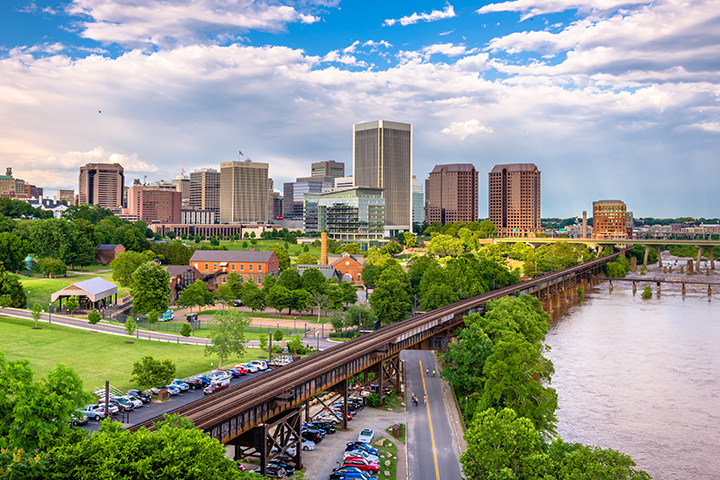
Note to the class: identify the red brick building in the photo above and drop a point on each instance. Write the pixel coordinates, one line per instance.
(154, 205)
(349, 265)
(610, 220)
(249, 265)
(106, 253)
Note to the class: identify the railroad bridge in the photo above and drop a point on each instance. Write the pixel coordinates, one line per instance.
(263, 414)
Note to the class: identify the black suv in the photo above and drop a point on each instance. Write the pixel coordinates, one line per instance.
(140, 395)
(329, 428)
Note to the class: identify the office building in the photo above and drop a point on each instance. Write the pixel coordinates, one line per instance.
(382, 158)
(148, 205)
(243, 192)
(7, 183)
(196, 216)
(32, 191)
(270, 200)
(451, 194)
(67, 196)
(630, 224)
(293, 194)
(277, 203)
(205, 190)
(418, 207)
(182, 185)
(343, 182)
(330, 168)
(355, 214)
(161, 185)
(514, 199)
(102, 184)
(609, 219)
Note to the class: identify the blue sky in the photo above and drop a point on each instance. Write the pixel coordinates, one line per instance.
(611, 99)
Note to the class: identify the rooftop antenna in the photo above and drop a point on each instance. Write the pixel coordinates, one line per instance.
(145, 180)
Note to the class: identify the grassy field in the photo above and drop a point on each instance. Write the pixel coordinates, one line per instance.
(97, 357)
(293, 249)
(41, 288)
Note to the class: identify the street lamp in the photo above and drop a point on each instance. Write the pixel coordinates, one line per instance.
(294, 320)
(317, 336)
(50, 312)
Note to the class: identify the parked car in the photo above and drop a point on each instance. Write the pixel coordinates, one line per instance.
(136, 402)
(341, 473)
(361, 464)
(361, 454)
(95, 411)
(326, 426)
(168, 316)
(219, 375)
(312, 436)
(273, 471)
(260, 365)
(191, 317)
(366, 436)
(139, 394)
(78, 417)
(113, 408)
(319, 431)
(198, 382)
(173, 390)
(180, 384)
(216, 385)
(122, 403)
(250, 368)
(361, 446)
(241, 369)
(327, 417)
(237, 302)
(289, 469)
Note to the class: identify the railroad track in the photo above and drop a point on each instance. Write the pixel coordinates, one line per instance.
(211, 410)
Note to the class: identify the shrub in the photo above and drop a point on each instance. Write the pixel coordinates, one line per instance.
(581, 290)
(647, 293)
(373, 400)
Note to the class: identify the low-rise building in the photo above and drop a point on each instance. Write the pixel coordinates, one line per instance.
(350, 267)
(181, 277)
(106, 253)
(250, 265)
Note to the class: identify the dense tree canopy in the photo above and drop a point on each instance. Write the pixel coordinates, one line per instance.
(150, 288)
(392, 299)
(13, 250)
(227, 332)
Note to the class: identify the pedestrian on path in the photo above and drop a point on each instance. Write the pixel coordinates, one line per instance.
(424, 399)
(427, 372)
(433, 372)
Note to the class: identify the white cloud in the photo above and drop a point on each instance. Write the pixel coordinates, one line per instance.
(336, 57)
(532, 8)
(447, 12)
(464, 129)
(447, 49)
(156, 22)
(442, 34)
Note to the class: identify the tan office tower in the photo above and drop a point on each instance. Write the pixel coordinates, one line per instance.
(102, 184)
(382, 158)
(271, 189)
(515, 199)
(243, 192)
(67, 196)
(452, 194)
(331, 168)
(182, 185)
(205, 190)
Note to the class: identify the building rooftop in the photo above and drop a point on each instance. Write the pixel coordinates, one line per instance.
(454, 167)
(178, 269)
(515, 167)
(106, 246)
(230, 256)
(609, 201)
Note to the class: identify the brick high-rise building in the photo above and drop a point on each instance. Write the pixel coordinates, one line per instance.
(610, 220)
(244, 192)
(33, 191)
(154, 205)
(205, 190)
(451, 194)
(382, 158)
(330, 168)
(102, 184)
(514, 193)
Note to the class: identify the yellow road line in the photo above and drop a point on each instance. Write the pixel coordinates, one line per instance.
(432, 435)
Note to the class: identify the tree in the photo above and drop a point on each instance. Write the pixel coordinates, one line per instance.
(153, 318)
(51, 266)
(295, 344)
(575, 461)
(410, 240)
(148, 372)
(186, 330)
(436, 296)
(305, 258)
(348, 293)
(12, 289)
(391, 300)
(290, 279)
(196, 294)
(487, 229)
(282, 254)
(150, 288)
(176, 450)
(278, 297)
(318, 301)
(313, 280)
(298, 300)
(263, 339)
(360, 316)
(501, 445)
(72, 304)
(252, 296)
(94, 317)
(234, 281)
(224, 294)
(13, 250)
(130, 326)
(125, 264)
(446, 245)
(34, 415)
(227, 333)
(37, 312)
(278, 335)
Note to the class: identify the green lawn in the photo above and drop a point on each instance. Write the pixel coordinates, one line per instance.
(293, 249)
(95, 356)
(41, 288)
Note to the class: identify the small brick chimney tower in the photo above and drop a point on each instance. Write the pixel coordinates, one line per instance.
(323, 249)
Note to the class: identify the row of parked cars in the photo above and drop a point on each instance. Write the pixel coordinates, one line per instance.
(97, 411)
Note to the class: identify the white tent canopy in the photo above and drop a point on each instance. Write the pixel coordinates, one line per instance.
(94, 289)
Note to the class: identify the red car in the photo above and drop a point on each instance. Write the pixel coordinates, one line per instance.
(362, 464)
(240, 369)
(339, 412)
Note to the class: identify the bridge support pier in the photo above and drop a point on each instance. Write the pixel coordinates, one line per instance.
(634, 288)
(683, 289)
(658, 249)
(658, 287)
(647, 252)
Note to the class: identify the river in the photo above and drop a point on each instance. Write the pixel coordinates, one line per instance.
(641, 376)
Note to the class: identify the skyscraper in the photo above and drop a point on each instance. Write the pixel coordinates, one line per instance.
(610, 219)
(451, 194)
(102, 184)
(154, 205)
(243, 192)
(382, 158)
(418, 207)
(330, 168)
(205, 190)
(182, 185)
(515, 199)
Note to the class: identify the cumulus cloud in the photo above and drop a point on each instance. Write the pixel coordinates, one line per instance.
(138, 23)
(447, 12)
(447, 49)
(530, 8)
(462, 130)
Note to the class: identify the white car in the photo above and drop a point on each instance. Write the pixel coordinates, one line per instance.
(137, 403)
(305, 445)
(361, 454)
(260, 365)
(326, 417)
(219, 375)
(366, 436)
(250, 368)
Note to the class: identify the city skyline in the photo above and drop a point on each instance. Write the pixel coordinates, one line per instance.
(618, 101)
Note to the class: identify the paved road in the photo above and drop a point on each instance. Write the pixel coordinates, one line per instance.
(112, 329)
(432, 453)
